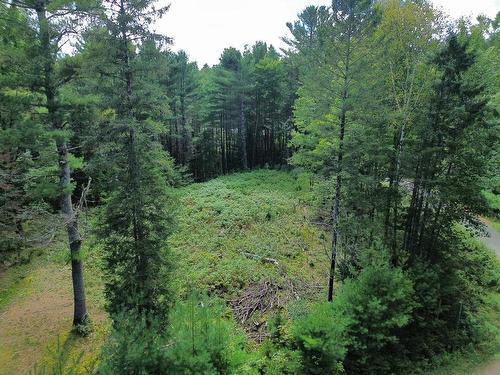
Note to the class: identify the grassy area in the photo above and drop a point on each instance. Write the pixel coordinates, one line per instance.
(229, 230)
(495, 223)
(232, 233)
(36, 312)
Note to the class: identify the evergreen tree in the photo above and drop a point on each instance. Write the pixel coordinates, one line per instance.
(182, 90)
(135, 221)
(333, 41)
(448, 173)
(52, 25)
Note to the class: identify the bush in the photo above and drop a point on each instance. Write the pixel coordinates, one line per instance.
(203, 341)
(277, 360)
(199, 340)
(136, 347)
(277, 356)
(376, 305)
(320, 338)
(450, 291)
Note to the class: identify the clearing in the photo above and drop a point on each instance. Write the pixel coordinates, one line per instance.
(234, 235)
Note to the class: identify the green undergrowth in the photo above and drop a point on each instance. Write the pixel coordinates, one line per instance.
(495, 223)
(244, 229)
(233, 234)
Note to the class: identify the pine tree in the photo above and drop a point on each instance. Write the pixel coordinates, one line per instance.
(448, 173)
(332, 40)
(52, 23)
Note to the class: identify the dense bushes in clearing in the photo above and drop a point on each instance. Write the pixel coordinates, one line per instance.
(225, 227)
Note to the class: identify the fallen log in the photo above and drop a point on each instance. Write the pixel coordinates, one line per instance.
(261, 258)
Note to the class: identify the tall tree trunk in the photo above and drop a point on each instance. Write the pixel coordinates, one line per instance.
(336, 203)
(243, 136)
(75, 242)
(80, 310)
(338, 185)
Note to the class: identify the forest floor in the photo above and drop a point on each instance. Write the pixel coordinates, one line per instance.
(233, 234)
(36, 309)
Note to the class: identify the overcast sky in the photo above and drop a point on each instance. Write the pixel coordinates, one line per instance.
(203, 28)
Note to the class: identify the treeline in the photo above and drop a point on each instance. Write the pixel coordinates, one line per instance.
(397, 116)
(233, 116)
(402, 124)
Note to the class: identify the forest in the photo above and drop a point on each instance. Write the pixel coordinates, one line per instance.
(322, 208)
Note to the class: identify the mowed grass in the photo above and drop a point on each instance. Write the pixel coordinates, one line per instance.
(36, 310)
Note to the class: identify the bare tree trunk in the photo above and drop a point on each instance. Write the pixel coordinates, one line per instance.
(336, 204)
(340, 156)
(75, 242)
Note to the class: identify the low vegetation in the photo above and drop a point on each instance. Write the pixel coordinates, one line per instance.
(253, 284)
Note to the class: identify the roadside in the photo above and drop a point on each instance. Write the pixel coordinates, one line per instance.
(493, 238)
(492, 369)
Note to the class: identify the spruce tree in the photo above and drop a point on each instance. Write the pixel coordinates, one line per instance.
(135, 220)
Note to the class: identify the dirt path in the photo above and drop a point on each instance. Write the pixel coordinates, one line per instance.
(492, 369)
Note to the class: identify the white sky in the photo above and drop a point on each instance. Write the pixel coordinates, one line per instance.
(203, 28)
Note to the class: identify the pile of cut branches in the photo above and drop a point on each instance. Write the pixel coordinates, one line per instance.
(259, 298)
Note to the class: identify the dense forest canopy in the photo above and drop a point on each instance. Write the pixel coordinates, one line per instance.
(389, 107)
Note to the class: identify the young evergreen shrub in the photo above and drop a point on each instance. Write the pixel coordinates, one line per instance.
(276, 360)
(204, 341)
(450, 290)
(200, 339)
(320, 338)
(377, 305)
(277, 355)
(136, 346)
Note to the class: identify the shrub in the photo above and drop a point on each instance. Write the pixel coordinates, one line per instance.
(204, 340)
(320, 338)
(450, 289)
(277, 356)
(136, 347)
(377, 305)
(276, 360)
(199, 340)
